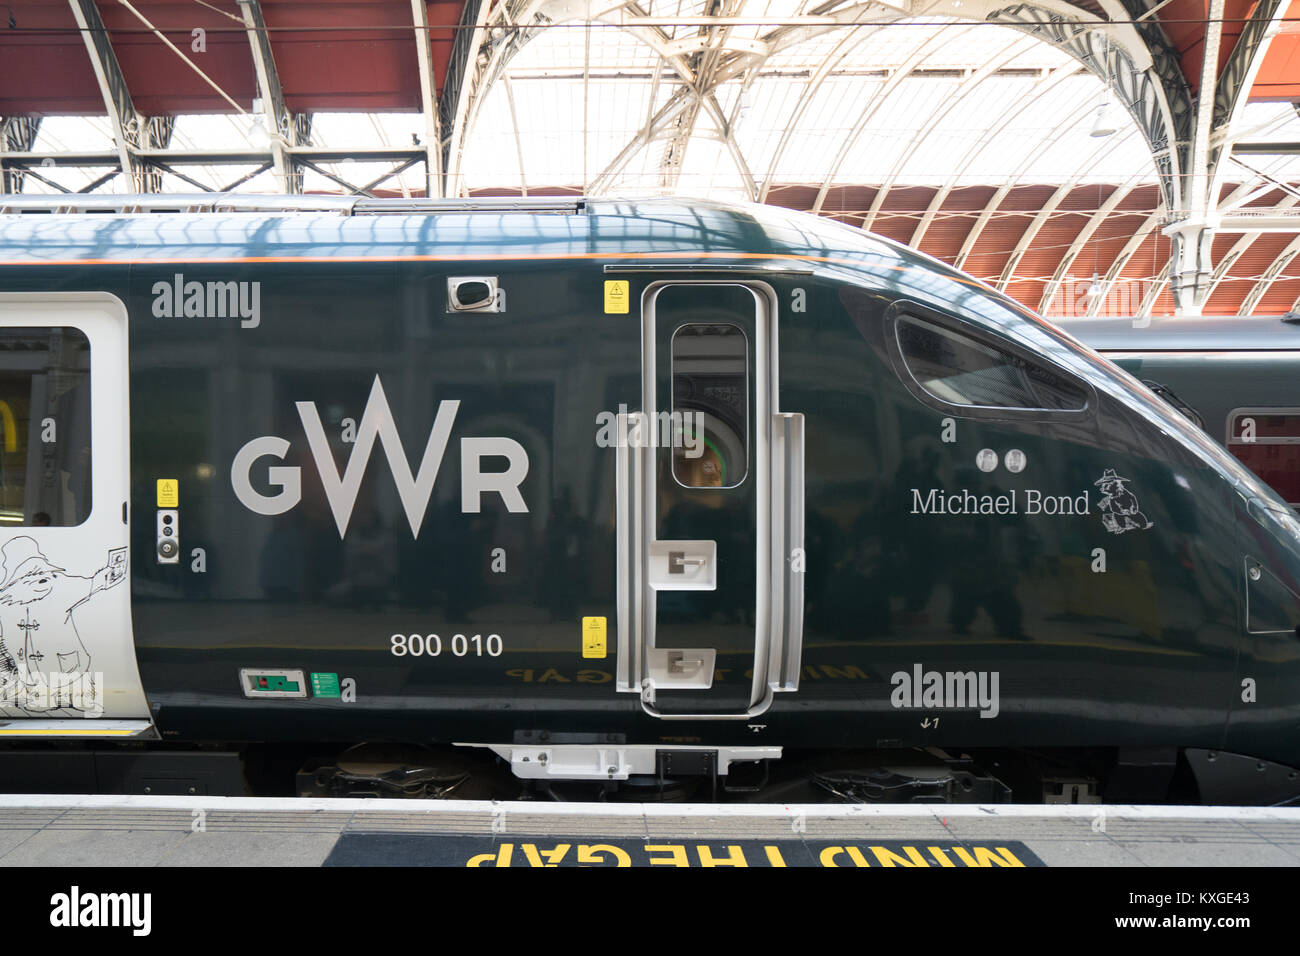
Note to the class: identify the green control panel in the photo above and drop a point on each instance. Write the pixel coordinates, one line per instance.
(272, 682)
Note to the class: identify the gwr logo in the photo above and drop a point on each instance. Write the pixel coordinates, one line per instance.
(414, 490)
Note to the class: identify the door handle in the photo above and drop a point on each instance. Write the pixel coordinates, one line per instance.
(679, 561)
(683, 565)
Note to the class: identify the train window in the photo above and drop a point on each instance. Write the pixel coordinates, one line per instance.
(710, 414)
(1267, 441)
(960, 370)
(45, 426)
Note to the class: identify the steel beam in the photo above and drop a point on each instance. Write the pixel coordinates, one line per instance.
(466, 77)
(988, 138)
(433, 184)
(1122, 260)
(904, 70)
(280, 126)
(986, 214)
(965, 89)
(1267, 149)
(1045, 213)
(127, 123)
(1244, 242)
(217, 157)
(1085, 235)
(851, 41)
(17, 134)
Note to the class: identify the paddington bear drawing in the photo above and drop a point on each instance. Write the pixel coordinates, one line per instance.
(42, 613)
(1119, 507)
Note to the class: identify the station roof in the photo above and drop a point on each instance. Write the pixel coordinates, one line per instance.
(337, 55)
(946, 125)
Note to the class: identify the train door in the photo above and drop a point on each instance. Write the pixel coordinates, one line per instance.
(66, 650)
(710, 502)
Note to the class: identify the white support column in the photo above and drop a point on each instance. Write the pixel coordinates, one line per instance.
(428, 101)
(1191, 267)
(1220, 101)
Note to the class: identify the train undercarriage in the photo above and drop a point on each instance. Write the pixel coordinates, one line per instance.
(698, 775)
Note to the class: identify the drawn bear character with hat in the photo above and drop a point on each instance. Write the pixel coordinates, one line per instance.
(1118, 505)
(39, 606)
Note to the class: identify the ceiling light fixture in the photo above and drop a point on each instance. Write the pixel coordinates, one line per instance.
(1104, 125)
(257, 132)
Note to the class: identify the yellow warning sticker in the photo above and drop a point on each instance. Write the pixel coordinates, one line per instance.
(169, 493)
(618, 294)
(593, 637)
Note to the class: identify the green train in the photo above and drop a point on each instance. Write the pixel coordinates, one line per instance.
(604, 499)
(1235, 377)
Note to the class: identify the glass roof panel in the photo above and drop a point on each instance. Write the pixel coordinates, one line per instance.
(575, 110)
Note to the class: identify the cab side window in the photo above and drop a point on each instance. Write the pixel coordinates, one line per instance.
(959, 369)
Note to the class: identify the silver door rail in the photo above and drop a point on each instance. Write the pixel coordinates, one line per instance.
(788, 557)
(628, 498)
(642, 667)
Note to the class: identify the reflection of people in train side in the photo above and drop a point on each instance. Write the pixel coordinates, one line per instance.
(983, 569)
(565, 569)
(369, 561)
(912, 565)
(72, 446)
(823, 550)
(280, 571)
(464, 540)
(855, 603)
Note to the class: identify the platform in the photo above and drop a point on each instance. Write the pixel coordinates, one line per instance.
(225, 831)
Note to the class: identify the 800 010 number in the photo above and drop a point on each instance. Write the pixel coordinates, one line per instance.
(431, 645)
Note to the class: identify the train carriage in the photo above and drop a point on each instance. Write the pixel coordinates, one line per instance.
(617, 491)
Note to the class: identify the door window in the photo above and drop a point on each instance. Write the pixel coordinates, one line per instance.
(710, 412)
(44, 427)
